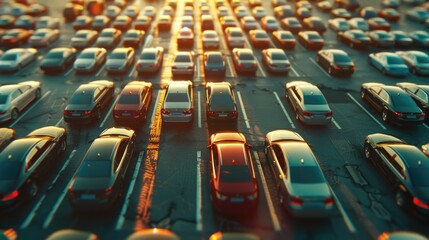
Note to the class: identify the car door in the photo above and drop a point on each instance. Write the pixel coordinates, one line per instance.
(382, 101)
(296, 99)
(372, 95)
(28, 94)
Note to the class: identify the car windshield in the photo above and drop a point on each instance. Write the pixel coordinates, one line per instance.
(278, 56)
(40, 34)
(314, 100)
(419, 176)
(341, 58)
(235, 174)
(177, 97)
(9, 170)
(148, 55)
(12, 34)
(300, 174)
(9, 57)
(422, 59)
(117, 55)
(106, 34)
(132, 34)
(55, 55)
(313, 37)
(95, 169)
(3, 99)
(81, 99)
(129, 99)
(87, 55)
(384, 36)
(210, 35)
(182, 58)
(360, 35)
(236, 34)
(286, 36)
(394, 60)
(214, 59)
(81, 35)
(403, 100)
(246, 56)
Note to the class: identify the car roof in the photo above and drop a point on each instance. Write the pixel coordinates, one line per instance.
(228, 136)
(86, 89)
(411, 155)
(179, 86)
(298, 154)
(103, 148)
(393, 90)
(232, 154)
(310, 90)
(17, 149)
(7, 89)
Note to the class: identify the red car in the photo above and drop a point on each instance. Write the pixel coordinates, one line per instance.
(390, 14)
(133, 103)
(284, 39)
(234, 188)
(378, 23)
(311, 40)
(16, 37)
(259, 38)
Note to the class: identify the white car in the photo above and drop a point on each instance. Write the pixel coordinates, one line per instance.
(17, 58)
(234, 37)
(44, 37)
(269, 24)
(358, 23)
(210, 39)
(178, 103)
(48, 22)
(90, 60)
(258, 12)
(183, 63)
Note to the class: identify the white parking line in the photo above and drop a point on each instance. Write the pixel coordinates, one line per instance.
(284, 110)
(68, 72)
(198, 212)
(32, 214)
(51, 214)
(246, 120)
(133, 69)
(29, 109)
(336, 124)
(121, 219)
(346, 218)
(101, 70)
(109, 112)
(366, 111)
(426, 126)
(294, 71)
(321, 69)
(199, 109)
(59, 122)
(228, 63)
(260, 69)
(154, 109)
(198, 70)
(63, 168)
(273, 215)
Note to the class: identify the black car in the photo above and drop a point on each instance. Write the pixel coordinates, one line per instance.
(88, 101)
(220, 103)
(99, 181)
(404, 167)
(394, 103)
(284, 39)
(355, 38)
(284, 11)
(72, 11)
(335, 62)
(58, 59)
(26, 161)
(419, 93)
(350, 5)
(214, 63)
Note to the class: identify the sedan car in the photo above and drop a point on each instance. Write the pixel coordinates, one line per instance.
(311, 40)
(210, 39)
(164, 23)
(325, 6)
(228, 21)
(417, 61)
(303, 190)
(214, 63)
(269, 24)
(417, 14)
(275, 60)
(122, 23)
(7, 21)
(221, 106)
(358, 23)
(88, 101)
(390, 14)
(381, 39)
(338, 25)
(133, 38)
(302, 13)
(183, 63)
(25, 22)
(404, 168)
(84, 38)
(16, 59)
(48, 22)
(100, 179)
(234, 37)
(133, 103)
(388, 63)
(335, 62)
(150, 60)
(420, 38)
(44, 37)
(284, 11)
(233, 183)
(7, 135)
(108, 38)
(100, 22)
(314, 24)
(142, 23)
(401, 38)
(90, 60)
(341, 13)
(28, 160)
(185, 38)
(58, 59)
(378, 23)
(120, 60)
(178, 104)
(395, 105)
(248, 23)
(308, 103)
(16, 37)
(82, 22)
(259, 38)
(284, 39)
(355, 38)
(244, 60)
(419, 93)
(14, 98)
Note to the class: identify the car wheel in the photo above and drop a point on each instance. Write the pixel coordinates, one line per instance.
(413, 70)
(383, 71)
(330, 70)
(14, 115)
(367, 150)
(362, 94)
(38, 93)
(384, 116)
(400, 197)
(63, 146)
(33, 189)
(98, 114)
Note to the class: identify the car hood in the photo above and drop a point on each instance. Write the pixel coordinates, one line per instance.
(94, 184)
(310, 190)
(78, 107)
(7, 186)
(236, 188)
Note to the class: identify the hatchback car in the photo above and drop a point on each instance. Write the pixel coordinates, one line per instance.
(388, 64)
(381, 39)
(417, 61)
(355, 38)
(308, 103)
(234, 37)
(404, 168)
(120, 60)
(419, 93)
(16, 59)
(220, 103)
(233, 183)
(14, 98)
(302, 187)
(16, 37)
(275, 60)
(150, 60)
(26, 161)
(44, 37)
(133, 102)
(178, 105)
(394, 104)
(84, 38)
(133, 38)
(90, 60)
(185, 38)
(284, 39)
(335, 62)
(88, 101)
(100, 179)
(210, 39)
(58, 59)
(183, 63)
(244, 60)
(214, 63)
(311, 40)
(108, 38)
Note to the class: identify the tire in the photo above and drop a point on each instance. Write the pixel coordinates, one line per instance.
(400, 198)
(384, 116)
(362, 94)
(14, 114)
(330, 70)
(63, 146)
(367, 151)
(33, 189)
(38, 93)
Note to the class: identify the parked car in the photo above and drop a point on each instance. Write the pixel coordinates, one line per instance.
(210, 39)
(185, 38)
(341, 13)
(178, 105)
(244, 60)
(417, 14)
(82, 22)
(16, 59)
(25, 22)
(142, 23)
(390, 14)
(259, 38)
(48, 22)
(72, 11)
(183, 63)
(214, 63)
(44, 37)
(58, 59)
(283, 11)
(284, 39)
(335, 62)
(355, 38)
(133, 38)
(100, 179)
(381, 39)
(120, 60)
(228, 21)
(417, 61)
(16, 37)
(367, 12)
(133, 103)
(258, 12)
(269, 24)
(14, 98)
(276, 60)
(88, 101)
(108, 38)
(338, 25)
(84, 38)
(221, 106)
(248, 23)
(100, 22)
(420, 38)
(325, 6)
(150, 60)
(233, 183)
(234, 37)
(113, 11)
(419, 93)
(302, 188)
(308, 103)
(401, 38)
(7, 21)
(394, 104)
(388, 63)
(188, 22)
(27, 161)
(122, 23)
(207, 23)
(403, 166)
(302, 13)
(311, 40)
(314, 24)
(358, 23)
(90, 60)
(378, 23)
(71, 234)
(164, 23)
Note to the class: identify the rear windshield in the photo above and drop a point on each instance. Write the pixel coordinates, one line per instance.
(81, 99)
(403, 100)
(306, 175)
(314, 100)
(182, 58)
(95, 169)
(246, 56)
(87, 55)
(9, 57)
(9, 170)
(235, 174)
(341, 58)
(394, 60)
(55, 55)
(129, 99)
(223, 102)
(177, 97)
(278, 56)
(214, 58)
(148, 55)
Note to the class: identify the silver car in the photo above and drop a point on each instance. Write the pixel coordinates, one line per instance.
(90, 60)
(417, 61)
(14, 98)
(303, 189)
(234, 37)
(150, 60)
(178, 103)
(244, 60)
(183, 63)
(358, 23)
(120, 60)
(44, 37)
(210, 39)
(17, 58)
(84, 38)
(108, 38)
(308, 103)
(276, 60)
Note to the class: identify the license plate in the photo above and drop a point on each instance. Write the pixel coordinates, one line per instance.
(88, 196)
(237, 199)
(76, 114)
(126, 114)
(223, 115)
(412, 116)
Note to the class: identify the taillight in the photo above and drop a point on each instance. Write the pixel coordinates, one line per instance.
(421, 115)
(213, 114)
(174, 67)
(328, 114)
(65, 112)
(107, 192)
(398, 114)
(87, 112)
(336, 67)
(420, 204)
(357, 41)
(352, 67)
(188, 111)
(329, 201)
(153, 65)
(233, 113)
(11, 196)
(163, 111)
(296, 201)
(190, 67)
(240, 65)
(138, 65)
(254, 65)
(72, 193)
(308, 114)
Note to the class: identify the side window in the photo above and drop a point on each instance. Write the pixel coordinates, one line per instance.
(97, 93)
(395, 161)
(119, 155)
(383, 95)
(422, 95)
(215, 160)
(23, 89)
(280, 157)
